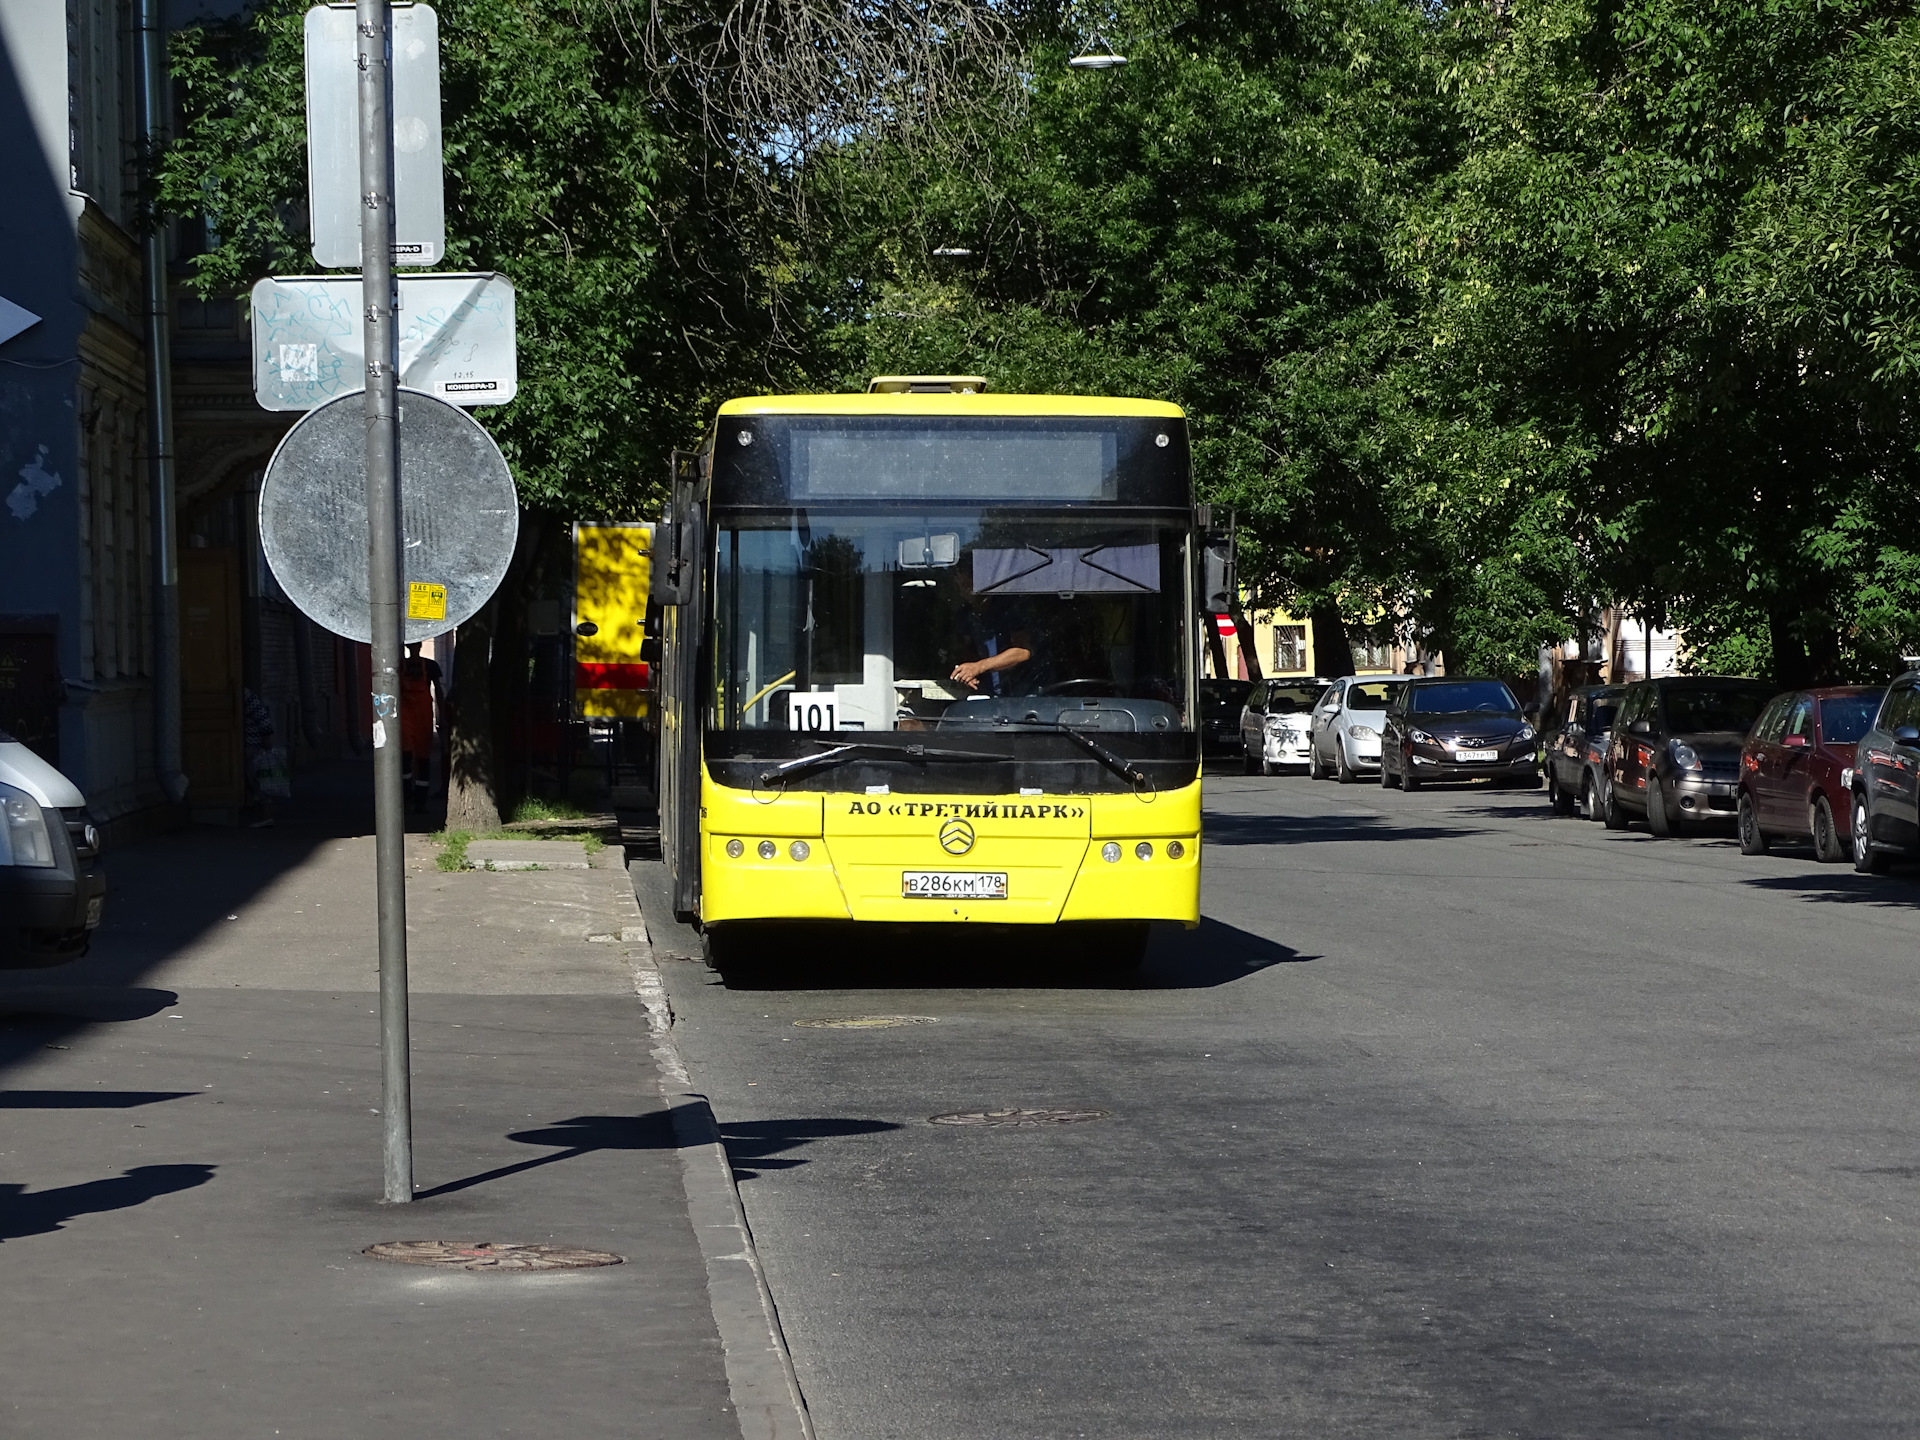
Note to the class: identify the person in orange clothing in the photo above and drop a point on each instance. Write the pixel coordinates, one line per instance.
(420, 698)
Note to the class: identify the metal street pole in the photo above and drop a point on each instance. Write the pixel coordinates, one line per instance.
(373, 33)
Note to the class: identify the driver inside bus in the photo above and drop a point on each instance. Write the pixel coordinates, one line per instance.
(1001, 646)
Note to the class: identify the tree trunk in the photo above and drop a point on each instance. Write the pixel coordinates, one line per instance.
(471, 801)
(1249, 648)
(490, 652)
(1214, 645)
(1332, 652)
(1792, 665)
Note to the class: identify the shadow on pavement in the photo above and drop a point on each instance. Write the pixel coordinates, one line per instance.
(1214, 954)
(757, 1143)
(582, 1135)
(843, 955)
(1842, 885)
(34, 1017)
(45, 1211)
(1319, 829)
(86, 1099)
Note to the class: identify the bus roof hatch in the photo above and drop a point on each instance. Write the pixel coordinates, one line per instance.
(927, 385)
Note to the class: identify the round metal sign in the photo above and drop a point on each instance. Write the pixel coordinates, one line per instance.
(458, 516)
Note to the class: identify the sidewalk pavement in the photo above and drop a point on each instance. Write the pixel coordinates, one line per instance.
(190, 1161)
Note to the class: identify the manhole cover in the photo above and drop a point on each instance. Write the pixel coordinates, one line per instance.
(1018, 1117)
(865, 1022)
(486, 1255)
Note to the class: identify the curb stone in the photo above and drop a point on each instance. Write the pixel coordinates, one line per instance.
(766, 1392)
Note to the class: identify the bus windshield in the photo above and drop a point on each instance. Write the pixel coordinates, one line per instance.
(921, 619)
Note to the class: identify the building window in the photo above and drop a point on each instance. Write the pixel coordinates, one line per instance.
(1371, 654)
(1289, 648)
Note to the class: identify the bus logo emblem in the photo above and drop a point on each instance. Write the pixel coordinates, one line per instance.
(956, 837)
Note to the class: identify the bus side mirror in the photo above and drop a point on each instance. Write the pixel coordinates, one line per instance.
(1217, 594)
(676, 556)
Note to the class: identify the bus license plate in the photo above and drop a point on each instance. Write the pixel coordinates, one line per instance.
(953, 884)
(1478, 754)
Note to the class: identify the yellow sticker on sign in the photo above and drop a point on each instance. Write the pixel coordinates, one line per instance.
(426, 602)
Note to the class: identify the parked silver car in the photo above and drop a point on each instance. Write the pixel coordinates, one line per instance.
(1273, 725)
(1346, 727)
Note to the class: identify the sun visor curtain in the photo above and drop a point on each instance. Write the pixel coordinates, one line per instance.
(1030, 570)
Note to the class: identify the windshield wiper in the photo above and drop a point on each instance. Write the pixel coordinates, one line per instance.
(893, 752)
(1136, 777)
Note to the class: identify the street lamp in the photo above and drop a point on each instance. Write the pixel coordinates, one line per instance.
(1103, 58)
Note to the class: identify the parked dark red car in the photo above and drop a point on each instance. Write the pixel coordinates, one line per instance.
(1796, 769)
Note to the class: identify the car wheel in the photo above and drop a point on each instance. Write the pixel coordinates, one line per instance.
(1611, 813)
(1409, 780)
(1341, 767)
(1753, 840)
(1659, 820)
(1249, 764)
(1386, 775)
(1828, 845)
(1866, 859)
(1266, 768)
(1315, 770)
(1561, 802)
(1589, 800)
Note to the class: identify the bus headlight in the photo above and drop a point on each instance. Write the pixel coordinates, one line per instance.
(1144, 850)
(799, 849)
(1175, 849)
(735, 849)
(1110, 852)
(768, 849)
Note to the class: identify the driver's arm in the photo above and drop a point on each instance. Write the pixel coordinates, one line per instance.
(968, 672)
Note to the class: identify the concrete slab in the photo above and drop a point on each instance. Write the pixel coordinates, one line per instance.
(527, 855)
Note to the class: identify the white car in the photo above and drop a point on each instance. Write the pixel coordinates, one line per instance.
(52, 890)
(1346, 727)
(1274, 723)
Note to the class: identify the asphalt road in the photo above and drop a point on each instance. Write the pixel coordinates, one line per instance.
(1453, 1119)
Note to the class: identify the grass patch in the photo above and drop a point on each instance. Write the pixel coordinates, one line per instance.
(593, 842)
(453, 849)
(533, 808)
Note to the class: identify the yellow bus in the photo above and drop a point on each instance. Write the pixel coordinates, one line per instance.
(928, 657)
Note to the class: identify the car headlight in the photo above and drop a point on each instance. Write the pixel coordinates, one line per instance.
(1363, 732)
(1275, 724)
(23, 831)
(1684, 755)
(1420, 737)
(1526, 734)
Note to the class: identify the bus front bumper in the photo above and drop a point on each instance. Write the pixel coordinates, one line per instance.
(858, 857)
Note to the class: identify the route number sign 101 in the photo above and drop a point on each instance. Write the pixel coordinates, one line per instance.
(805, 712)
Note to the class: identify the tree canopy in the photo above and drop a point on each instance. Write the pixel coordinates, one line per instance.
(1483, 312)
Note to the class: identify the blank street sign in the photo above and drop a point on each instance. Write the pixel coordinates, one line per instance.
(457, 339)
(333, 138)
(458, 516)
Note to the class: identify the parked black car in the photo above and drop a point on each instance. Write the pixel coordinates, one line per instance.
(1221, 702)
(1457, 729)
(1886, 780)
(1577, 752)
(1674, 755)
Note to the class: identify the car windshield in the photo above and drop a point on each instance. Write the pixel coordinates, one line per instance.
(1698, 709)
(1292, 699)
(1371, 696)
(1845, 718)
(828, 621)
(1469, 697)
(1602, 714)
